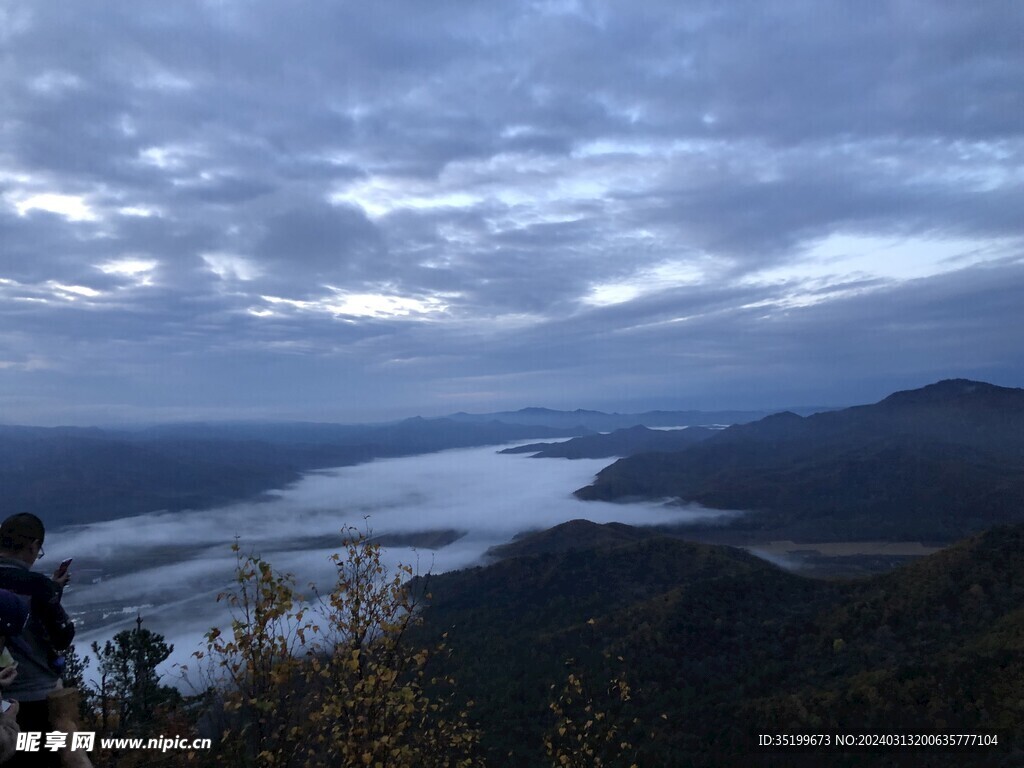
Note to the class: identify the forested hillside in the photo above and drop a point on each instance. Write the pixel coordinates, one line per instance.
(719, 647)
(936, 463)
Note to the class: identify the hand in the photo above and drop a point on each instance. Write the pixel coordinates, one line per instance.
(12, 711)
(7, 675)
(60, 579)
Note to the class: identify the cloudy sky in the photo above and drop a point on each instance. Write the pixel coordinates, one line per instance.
(355, 211)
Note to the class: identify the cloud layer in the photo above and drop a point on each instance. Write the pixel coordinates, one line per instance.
(345, 211)
(170, 567)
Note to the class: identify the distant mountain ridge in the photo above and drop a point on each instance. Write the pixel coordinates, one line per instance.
(83, 474)
(936, 463)
(621, 442)
(77, 475)
(607, 422)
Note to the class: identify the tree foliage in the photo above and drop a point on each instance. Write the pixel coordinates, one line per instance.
(344, 678)
(332, 680)
(129, 689)
(590, 729)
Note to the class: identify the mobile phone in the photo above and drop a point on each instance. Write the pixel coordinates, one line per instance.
(63, 567)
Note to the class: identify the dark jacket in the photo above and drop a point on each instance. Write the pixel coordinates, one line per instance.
(49, 631)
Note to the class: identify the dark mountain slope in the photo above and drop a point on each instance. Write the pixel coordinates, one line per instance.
(719, 647)
(70, 476)
(514, 626)
(415, 435)
(71, 479)
(954, 411)
(575, 534)
(936, 463)
(934, 647)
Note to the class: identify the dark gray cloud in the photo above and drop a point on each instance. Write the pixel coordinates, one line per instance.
(321, 243)
(538, 202)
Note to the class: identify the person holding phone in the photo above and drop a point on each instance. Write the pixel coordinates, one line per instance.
(47, 635)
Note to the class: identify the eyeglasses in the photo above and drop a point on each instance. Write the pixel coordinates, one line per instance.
(41, 553)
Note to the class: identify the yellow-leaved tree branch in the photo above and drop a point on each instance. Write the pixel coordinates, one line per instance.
(330, 680)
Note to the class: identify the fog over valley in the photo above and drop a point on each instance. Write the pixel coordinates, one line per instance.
(170, 566)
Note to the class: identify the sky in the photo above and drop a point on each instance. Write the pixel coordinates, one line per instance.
(340, 211)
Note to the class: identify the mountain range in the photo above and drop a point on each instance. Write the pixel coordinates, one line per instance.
(74, 475)
(936, 464)
(599, 421)
(621, 442)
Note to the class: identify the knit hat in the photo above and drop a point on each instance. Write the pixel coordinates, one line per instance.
(13, 614)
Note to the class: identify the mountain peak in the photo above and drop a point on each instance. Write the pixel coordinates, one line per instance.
(574, 534)
(957, 390)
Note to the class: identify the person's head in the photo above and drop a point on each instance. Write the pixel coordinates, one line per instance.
(21, 536)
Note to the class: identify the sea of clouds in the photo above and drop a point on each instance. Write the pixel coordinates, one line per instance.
(170, 567)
